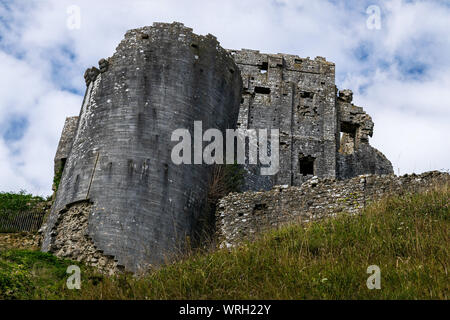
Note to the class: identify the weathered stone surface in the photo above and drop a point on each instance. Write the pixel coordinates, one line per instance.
(71, 240)
(20, 240)
(346, 95)
(65, 145)
(321, 133)
(317, 128)
(90, 75)
(103, 65)
(164, 77)
(243, 215)
(356, 156)
(296, 96)
(160, 78)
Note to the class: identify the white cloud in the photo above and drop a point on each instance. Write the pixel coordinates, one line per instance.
(24, 92)
(42, 64)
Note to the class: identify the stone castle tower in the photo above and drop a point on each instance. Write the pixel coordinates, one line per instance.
(122, 203)
(321, 133)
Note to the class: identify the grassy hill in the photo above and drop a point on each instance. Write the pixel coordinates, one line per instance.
(407, 237)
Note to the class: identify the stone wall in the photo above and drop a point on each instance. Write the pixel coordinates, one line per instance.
(117, 154)
(244, 215)
(64, 146)
(161, 78)
(321, 133)
(355, 155)
(20, 240)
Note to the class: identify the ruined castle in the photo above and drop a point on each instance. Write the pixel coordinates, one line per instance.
(122, 204)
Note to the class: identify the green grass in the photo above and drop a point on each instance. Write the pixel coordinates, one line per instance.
(26, 274)
(407, 237)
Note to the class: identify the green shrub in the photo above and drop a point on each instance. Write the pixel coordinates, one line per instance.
(16, 202)
(57, 179)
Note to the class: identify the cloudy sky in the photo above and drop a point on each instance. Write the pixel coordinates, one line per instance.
(398, 66)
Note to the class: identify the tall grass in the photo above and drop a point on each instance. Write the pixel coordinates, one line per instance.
(406, 236)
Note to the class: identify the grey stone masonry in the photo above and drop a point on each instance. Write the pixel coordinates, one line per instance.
(73, 241)
(298, 97)
(143, 206)
(242, 216)
(65, 144)
(138, 207)
(321, 133)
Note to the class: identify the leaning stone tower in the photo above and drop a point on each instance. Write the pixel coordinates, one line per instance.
(121, 202)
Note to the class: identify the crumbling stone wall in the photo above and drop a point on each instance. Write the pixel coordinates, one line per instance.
(71, 239)
(297, 96)
(244, 215)
(144, 206)
(116, 154)
(355, 155)
(321, 132)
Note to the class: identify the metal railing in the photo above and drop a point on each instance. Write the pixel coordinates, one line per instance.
(13, 221)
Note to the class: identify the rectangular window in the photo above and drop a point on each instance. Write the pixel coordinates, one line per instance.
(307, 165)
(262, 90)
(347, 141)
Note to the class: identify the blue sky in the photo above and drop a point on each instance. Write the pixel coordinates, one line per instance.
(400, 73)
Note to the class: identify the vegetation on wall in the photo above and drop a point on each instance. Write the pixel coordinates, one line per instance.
(57, 179)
